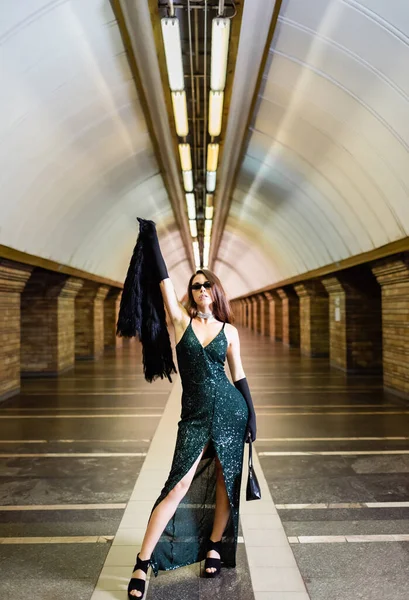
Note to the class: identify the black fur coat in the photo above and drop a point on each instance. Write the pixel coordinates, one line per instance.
(142, 311)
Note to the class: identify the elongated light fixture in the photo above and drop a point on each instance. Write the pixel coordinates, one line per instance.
(187, 181)
(209, 206)
(196, 254)
(215, 112)
(193, 228)
(185, 157)
(180, 112)
(212, 156)
(208, 228)
(220, 49)
(210, 181)
(206, 248)
(191, 206)
(173, 52)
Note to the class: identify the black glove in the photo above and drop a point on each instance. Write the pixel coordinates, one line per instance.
(149, 228)
(243, 387)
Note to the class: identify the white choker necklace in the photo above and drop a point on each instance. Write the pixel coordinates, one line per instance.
(203, 315)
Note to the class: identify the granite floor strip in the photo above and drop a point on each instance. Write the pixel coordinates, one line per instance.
(106, 416)
(28, 507)
(332, 439)
(73, 441)
(74, 539)
(334, 453)
(73, 455)
(337, 539)
(331, 413)
(342, 505)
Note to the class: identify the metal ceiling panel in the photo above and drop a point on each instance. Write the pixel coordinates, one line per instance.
(326, 170)
(77, 162)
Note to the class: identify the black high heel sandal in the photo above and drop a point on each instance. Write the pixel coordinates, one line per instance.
(213, 563)
(135, 583)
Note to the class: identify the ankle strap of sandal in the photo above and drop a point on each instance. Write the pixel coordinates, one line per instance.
(142, 564)
(214, 545)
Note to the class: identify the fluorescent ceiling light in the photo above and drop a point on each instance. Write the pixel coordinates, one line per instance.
(173, 52)
(188, 181)
(212, 156)
(206, 249)
(193, 228)
(196, 254)
(185, 157)
(211, 181)
(220, 48)
(208, 227)
(209, 212)
(215, 113)
(191, 206)
(180, 112)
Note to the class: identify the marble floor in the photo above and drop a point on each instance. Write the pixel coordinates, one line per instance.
(82, 460)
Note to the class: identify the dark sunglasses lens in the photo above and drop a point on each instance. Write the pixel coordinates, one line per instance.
(198, 286)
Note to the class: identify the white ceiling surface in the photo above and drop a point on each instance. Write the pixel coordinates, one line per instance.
(77, 164)
(326, 171)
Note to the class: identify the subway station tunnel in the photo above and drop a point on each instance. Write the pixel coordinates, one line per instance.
(269, 143)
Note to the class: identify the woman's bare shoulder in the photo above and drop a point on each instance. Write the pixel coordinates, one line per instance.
(231, 332)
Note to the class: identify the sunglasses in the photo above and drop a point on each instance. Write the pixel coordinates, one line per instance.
(198, 286)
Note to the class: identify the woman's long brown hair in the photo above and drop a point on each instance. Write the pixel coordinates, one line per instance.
(221, 306)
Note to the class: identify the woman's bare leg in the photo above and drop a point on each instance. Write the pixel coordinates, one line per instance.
(160, 517)
(221, 512)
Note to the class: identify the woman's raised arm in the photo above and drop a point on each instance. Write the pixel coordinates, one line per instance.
(175, 309)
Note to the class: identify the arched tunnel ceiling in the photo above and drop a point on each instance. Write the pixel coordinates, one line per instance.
(325, 175)
(77, 162)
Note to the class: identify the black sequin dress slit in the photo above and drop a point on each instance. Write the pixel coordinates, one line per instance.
(213, 411)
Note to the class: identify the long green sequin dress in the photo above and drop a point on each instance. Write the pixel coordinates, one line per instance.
(214, 411)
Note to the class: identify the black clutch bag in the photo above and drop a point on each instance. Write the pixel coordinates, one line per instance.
(253, 491)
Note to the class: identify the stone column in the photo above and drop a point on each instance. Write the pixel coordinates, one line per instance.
(393, 276)
(13, 278)
(47, 323)
(111, 311)
(237, 307)
(243, 305)
(254, 312)
(265, 316)
(275, 315)
(290, 316)
(314, 318)
(89, 320)
(355, 322)
(262, 303)
(247, 317)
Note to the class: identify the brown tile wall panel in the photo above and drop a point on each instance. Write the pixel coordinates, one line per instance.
(66, 323)
(89, 320)
(290, 317)
(13, 278)
(393, 276)
(355, 323)
(266, 317)
(275, 315)
(261, 313)
(314, 318)
(247, 314)
(111, 310)
(254, 313)
(47, 325)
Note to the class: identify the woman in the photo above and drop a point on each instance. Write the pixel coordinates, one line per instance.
(199, 503)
